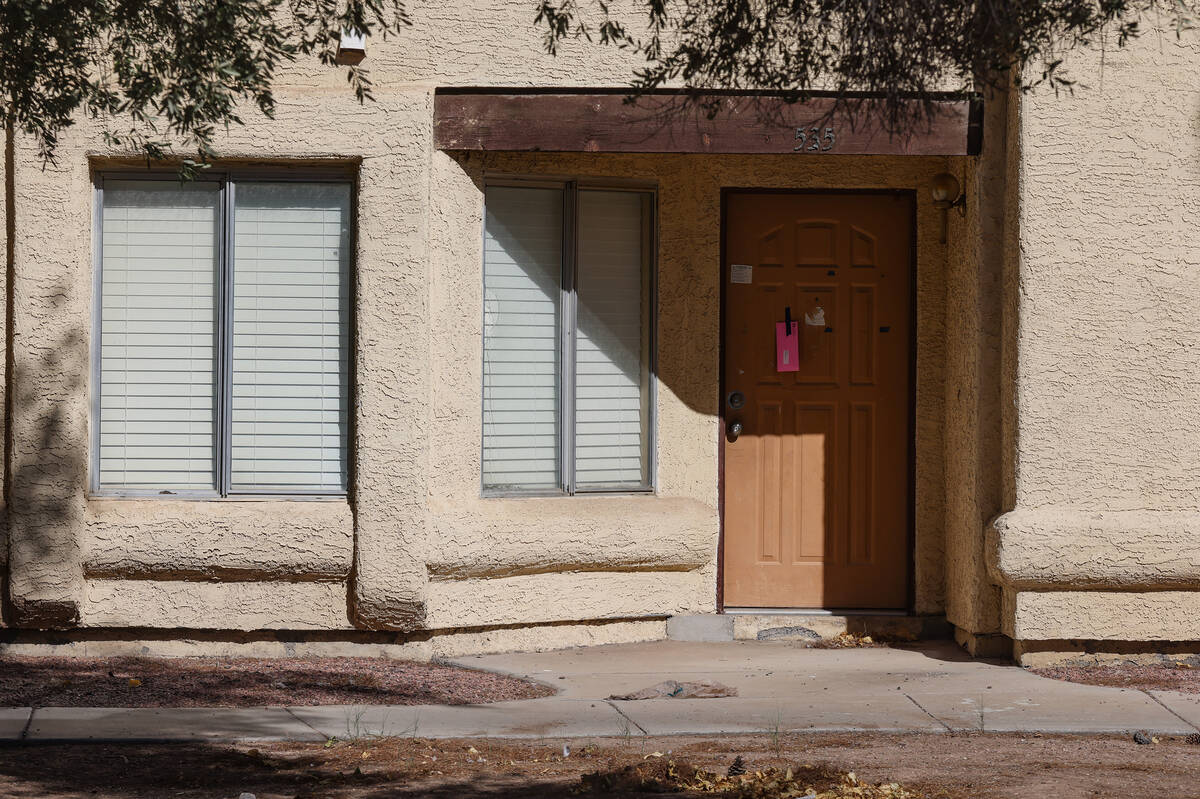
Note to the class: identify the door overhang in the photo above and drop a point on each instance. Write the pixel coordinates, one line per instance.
(602, 121)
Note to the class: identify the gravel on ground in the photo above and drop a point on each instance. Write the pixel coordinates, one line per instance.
(1178, 676)
(920, 766)
(248, 682)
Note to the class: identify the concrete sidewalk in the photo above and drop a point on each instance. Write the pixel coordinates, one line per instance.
(781, 687)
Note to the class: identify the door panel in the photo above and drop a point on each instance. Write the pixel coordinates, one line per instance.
(816, 488)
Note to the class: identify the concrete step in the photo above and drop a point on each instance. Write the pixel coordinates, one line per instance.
(801, 626)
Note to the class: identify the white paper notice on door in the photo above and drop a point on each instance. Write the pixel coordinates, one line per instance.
(741, 273)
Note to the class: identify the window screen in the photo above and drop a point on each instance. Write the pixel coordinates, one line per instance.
(567, 299)
(290, 273)
(612, 342)
(223, 358)
(158, 336)
(522, 274)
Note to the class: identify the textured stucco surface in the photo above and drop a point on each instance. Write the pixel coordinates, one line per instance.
(152, 539)
(498, 538)
(1109, 373)
(1102, 615)
(689, 197)
(538, 598)
(226, 606)
(4, 464)
(1057, 376)
(419, 646)
(1106, 378)
(493, 41)
(422, 548)
(1120, 550)
(53, 520)
(975, 316)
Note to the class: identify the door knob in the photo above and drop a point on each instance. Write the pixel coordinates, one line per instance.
(733, 431)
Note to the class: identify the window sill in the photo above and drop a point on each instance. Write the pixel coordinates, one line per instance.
(157, 497)
(626, 493)
(261, 539)
(597, 532)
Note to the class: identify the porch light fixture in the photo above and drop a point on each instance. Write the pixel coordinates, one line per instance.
(947, 193)
(352, 48)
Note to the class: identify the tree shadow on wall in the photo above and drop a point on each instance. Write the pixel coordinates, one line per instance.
(45, 432)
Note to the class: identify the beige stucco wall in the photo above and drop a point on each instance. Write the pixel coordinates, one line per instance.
(685, 532)
(679, 527)
(1056, 377)
(376, 546)
(473, 562)
(415, 547)
(1101, 538)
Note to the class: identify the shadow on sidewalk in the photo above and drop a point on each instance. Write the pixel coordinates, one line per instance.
(151, 771)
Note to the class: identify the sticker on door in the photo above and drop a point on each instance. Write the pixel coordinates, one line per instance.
(741, 273)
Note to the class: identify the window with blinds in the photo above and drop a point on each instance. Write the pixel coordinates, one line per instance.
(223, 342)
(612, 342)
(522, 284)
(291, 259)
(158, 336)
(567, 339)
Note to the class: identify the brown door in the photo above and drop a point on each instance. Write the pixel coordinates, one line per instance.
(816, 485)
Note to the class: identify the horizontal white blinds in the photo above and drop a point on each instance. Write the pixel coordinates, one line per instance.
(523, 244)
(158, 298)
(612, 341)
(291, 259)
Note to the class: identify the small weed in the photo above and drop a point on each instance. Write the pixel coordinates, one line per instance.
(624, 728)
(354, 727)
(775, 731)
(356, 730)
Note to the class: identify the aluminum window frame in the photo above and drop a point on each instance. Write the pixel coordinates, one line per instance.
(571, 186)
(227, 179)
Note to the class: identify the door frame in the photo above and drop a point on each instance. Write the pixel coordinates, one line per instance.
(910, 492)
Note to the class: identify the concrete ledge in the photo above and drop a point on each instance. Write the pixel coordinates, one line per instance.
(541, 598)
(227, 606)
(1041, 654)
(709, 627)
(802, 627)
(506, 537)
(1077, 549)
(45, 614)
(251, 540)
(1102, 616)
(984, 645)
(44, 573)
(420, 645)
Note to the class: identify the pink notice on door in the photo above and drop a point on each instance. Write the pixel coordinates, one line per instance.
(787, 346)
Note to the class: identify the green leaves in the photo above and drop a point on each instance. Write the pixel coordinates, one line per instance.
(176, 69)
(895, 51)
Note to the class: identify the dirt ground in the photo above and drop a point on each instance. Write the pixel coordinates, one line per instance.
(1181, 676)
(246, 682)
(959, 766)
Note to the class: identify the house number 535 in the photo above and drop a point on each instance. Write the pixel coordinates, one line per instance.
(811, 141)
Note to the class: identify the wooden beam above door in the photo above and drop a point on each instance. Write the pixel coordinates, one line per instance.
(562, 120)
